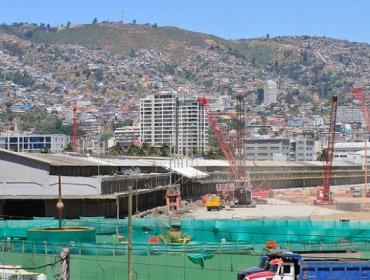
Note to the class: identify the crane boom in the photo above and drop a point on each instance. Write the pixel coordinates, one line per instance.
(242, 194)
(329, 154)
(212, 120)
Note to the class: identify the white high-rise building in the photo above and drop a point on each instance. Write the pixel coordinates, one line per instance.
(270, 90)
(158, 125)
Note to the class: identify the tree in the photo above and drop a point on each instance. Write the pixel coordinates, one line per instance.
(322, 155)
(260, 95)
(165, 150)
(132, 53)
(68, 24)
(95, 21)
(116, 150)
(68, 148)
(155, 25)
(99, 74)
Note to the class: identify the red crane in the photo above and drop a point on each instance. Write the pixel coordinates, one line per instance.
(242, 191)
(212, 120)
(324, 195)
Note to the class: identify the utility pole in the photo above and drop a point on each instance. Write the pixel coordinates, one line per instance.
(129, 248)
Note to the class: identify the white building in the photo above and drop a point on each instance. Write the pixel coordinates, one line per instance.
(54, 143)
(267, 149)
(302, 150)
(349, 114)
(127, 135)
(270, 92)
(165, 119)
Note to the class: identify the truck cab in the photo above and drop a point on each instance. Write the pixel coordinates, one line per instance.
(278, 270)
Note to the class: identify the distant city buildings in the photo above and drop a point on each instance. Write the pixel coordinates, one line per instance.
(165, 119)
(279, 149)
(267, 149)
(54, 143)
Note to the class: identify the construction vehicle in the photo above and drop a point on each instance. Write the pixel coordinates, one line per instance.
(259, 191)
(294, 266)
(241, 194)
(324, 195)
(213, 202)
(265, 260)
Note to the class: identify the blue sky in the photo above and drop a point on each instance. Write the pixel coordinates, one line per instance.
(232, 19)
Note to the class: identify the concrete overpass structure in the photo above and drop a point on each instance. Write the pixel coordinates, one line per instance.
(99, 186)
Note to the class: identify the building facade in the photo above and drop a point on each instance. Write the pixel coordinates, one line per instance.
(54, 143)
(302, 150)
(125, 136)
(270, 90)
(267, 149)
(165, 119)
(349, 114)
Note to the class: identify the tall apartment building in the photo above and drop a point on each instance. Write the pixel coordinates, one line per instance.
(55, 143)
(166, 119)
(270, 91)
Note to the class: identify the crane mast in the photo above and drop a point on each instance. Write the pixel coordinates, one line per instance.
(242, 192)
(326, 194)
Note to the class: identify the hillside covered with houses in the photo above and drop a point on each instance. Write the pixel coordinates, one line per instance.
(105, 68)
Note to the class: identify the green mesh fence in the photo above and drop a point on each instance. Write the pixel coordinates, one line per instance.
(235, 244)
(18, 228)
(208, 233)
(258, 231)
(168, 267)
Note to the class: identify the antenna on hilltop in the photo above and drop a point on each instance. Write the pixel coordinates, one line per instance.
(122, 16)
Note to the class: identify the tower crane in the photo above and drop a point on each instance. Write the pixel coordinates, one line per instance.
(242, 192)
(324, 195)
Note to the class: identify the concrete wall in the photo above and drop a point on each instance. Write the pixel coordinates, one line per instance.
(18, 179)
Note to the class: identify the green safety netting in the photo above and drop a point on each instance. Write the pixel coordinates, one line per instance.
(18, 228)
(205, 235)
(259, 231)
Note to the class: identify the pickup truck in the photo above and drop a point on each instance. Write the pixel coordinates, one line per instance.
(295, 267)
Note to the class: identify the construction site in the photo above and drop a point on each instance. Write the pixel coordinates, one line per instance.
(165, 218)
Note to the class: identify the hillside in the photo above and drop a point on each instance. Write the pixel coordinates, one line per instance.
(112, 65)
(175, 43)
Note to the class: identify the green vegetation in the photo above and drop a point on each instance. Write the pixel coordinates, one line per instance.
(39, 120)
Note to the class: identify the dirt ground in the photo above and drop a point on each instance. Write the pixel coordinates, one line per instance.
(352, 208)
(286, 204)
